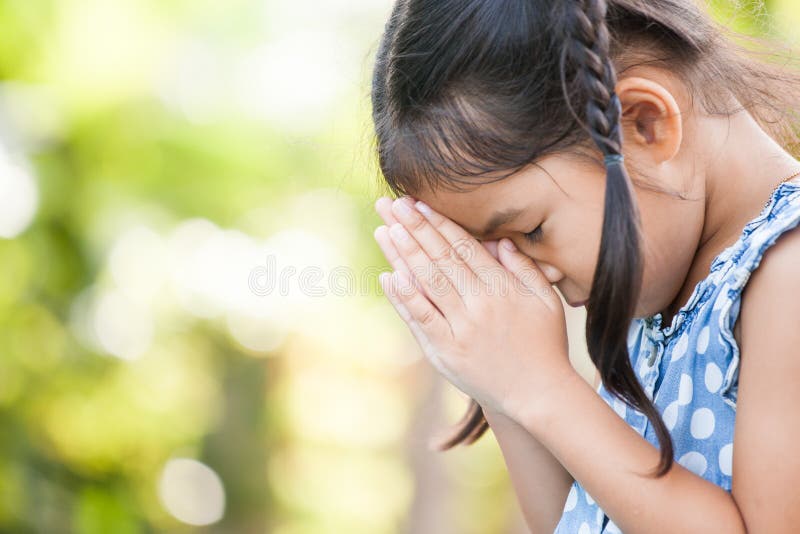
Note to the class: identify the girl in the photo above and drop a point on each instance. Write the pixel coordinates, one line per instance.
(505, 120)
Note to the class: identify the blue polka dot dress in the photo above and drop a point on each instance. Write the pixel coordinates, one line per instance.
(690, 369)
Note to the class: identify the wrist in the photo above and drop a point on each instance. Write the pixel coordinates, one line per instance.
(500, 421)
(540, 407)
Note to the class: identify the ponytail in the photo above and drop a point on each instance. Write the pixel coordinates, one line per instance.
(618, 275)
(472, 91)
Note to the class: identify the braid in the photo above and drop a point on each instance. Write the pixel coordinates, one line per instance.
(588, 46)
(617, 282)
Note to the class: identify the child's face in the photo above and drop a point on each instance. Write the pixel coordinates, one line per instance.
(566, 197)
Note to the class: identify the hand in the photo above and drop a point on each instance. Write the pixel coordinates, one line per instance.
(484, 316)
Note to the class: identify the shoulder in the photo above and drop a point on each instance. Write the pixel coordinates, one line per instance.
(770, 301)
(773, 286)
(768, 408)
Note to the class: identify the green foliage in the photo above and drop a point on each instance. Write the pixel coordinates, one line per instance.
(143, 116)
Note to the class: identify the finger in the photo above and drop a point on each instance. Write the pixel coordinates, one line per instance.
(498, 277)
(437, 285)
(394, 258)
(413, 307)
(491, 246)
(527, 273)
(384, 208)
(468, 248)
(388, 282)
(381, 235)
(435, 246)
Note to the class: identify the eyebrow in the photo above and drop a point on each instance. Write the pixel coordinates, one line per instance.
(498, 219)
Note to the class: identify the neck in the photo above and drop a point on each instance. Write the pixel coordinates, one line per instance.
(744, 166)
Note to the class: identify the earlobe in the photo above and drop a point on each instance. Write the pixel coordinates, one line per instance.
(651, 118)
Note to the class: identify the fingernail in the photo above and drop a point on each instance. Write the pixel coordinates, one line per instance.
(423, 208)
(398, 232)
(402, 206)
(509, 245)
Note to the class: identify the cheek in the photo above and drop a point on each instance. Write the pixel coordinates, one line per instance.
(578, 246)
(568, 252)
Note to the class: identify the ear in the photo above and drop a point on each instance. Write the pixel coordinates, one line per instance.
(651, 119)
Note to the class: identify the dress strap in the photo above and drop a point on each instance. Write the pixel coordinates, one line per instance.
(733, 271)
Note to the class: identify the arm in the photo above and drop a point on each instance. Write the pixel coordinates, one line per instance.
(540, 481)
(542, 393)
(765, 470)
(765, 462)
(609, 466)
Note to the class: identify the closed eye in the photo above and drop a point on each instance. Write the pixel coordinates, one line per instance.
(535, 235)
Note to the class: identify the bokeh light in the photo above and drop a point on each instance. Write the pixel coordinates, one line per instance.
(192, 492)
(193, 332)
(19, 196)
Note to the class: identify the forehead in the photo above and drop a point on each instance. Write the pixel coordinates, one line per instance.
(474, 206)
(536, 189)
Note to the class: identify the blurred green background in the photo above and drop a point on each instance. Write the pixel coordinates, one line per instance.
(193, 338)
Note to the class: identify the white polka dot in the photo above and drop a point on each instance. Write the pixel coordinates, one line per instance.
(680, 347)
(572, 499)
(702, 424)
(611, 528)
(713, 377)
(694, 462)
(588, 498)
(685, 390)
(599, 516)
(726, 459)
(584, 528)
(702, 340)
(670, 415)
(620, 408)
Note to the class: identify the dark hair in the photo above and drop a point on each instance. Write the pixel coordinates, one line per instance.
(471, 91)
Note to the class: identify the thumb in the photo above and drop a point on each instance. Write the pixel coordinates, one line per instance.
(491, 246)
(530, 277)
